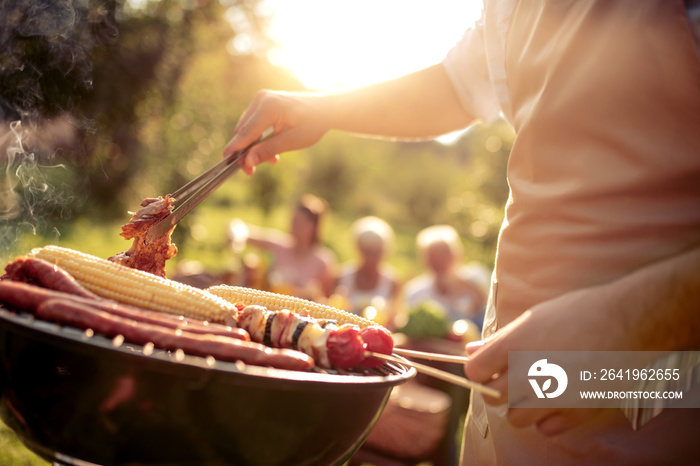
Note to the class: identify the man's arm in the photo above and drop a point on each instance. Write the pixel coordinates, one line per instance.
(259, 237)
(415, 106)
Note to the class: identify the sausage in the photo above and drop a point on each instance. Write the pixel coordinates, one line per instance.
(23, 296)
(46, 274)
(82, 315)
(26, 297)
(172, 321)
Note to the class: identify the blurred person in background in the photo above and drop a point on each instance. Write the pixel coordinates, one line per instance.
(461, 290)
(369, 284)
(600, 246)
(445, 310)
(301, 265)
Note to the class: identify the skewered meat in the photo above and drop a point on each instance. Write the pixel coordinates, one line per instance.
(378, 340)
(286, 329)
(143, 255)
(330, 345)
(345, 347)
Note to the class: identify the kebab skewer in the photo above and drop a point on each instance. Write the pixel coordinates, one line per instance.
(341, 337)
(376, 340)
(331, 345)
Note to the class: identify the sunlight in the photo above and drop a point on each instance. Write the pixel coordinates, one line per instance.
(332, 43)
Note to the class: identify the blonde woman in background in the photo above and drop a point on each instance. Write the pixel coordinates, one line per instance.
(370, 281)
(460, 289)
(301, 265)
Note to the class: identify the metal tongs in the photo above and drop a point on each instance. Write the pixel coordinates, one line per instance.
(193, 193)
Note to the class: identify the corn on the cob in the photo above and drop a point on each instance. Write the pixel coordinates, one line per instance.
(138, 288)
(277, 302)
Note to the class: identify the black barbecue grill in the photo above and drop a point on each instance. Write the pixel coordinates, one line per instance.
(75, 398)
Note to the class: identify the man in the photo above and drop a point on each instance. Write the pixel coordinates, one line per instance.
(600, 245)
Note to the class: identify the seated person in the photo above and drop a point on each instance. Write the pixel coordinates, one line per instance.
(461, 290)
(301, 266)
(370, 281)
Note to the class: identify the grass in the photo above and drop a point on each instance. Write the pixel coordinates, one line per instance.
(13, 452)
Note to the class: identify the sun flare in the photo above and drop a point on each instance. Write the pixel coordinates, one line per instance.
(332, 43)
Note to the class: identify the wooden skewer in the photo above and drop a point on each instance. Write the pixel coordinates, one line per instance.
(431, 356)
(438, 374)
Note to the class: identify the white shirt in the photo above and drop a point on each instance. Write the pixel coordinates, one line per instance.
(476, 65)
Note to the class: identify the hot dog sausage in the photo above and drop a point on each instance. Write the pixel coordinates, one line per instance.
(23, 296)
(81, 315)
(46, 274)
(172, 321)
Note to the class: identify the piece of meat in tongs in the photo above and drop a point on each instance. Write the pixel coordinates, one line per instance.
(151, 226)
(144, 254)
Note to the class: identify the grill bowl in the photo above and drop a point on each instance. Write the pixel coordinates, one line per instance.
(73, 398)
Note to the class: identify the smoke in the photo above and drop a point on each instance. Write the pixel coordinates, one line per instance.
(46, 53)
(47, 49)
(34, 194)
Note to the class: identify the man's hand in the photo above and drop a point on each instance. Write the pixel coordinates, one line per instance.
(296, 120)
(653, 308)
(577, 321)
